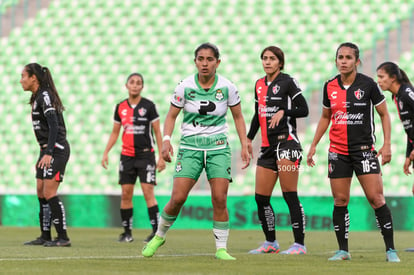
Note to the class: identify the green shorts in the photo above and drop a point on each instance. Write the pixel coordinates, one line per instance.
(190, 163)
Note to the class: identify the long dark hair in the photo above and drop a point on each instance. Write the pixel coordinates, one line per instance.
(45, 79)
(392, 69)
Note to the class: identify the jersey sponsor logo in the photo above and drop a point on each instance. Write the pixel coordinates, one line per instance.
(46, 98)
(347, 118)
(191, 94)
(359, 94)
(334, 94)
(36, 124)
(259, 90)
(178, 98)
(219, 95)
(206, 106)
(411, 94)
(275, 89)
(124, 112)
(134, 129)
(266, 111)
(142, 111)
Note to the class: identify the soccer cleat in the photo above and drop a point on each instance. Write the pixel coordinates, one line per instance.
(340, 255)
(149, 237)
(125, 238)
(151, 247)
(58, 243)
(221, 254)
(37, 241)
(392, 256)
(266, 247)
(295, 249)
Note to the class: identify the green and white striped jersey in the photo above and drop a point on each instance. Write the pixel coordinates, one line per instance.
(204, 124)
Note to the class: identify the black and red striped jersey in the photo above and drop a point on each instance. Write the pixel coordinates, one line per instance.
(269, 99)
(42, 108)
(352, 113)
(404, 100)
(137, 123)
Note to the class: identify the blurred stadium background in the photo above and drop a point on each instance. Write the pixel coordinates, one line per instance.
(92, 45)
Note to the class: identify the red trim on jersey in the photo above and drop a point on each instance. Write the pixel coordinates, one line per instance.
(338, 133)
(57, 177)
(261, 92)
(126, 113)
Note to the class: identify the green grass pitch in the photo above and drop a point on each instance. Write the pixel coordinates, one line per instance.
(96, 251)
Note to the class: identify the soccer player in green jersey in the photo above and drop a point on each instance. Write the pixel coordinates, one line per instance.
(204, 99)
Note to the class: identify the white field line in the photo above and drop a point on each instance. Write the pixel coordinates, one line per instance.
(100, 257)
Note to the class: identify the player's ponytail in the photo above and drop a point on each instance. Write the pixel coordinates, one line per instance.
(44, 77)
(392, 69)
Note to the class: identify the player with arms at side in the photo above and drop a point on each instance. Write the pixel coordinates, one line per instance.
(204, 99)
(279, 101)
(348, 103)
(139, 118)
(50, 131)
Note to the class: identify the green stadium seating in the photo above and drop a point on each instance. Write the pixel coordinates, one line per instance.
(92, 46)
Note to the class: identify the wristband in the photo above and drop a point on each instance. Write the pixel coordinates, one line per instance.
(166, 137)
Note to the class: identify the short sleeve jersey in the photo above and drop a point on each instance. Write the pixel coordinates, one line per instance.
(270, 98)
(137, 123)
(204, 124)
(352, 120)
(41, 106)
(405, 106)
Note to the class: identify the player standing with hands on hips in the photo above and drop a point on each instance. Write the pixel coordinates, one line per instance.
(50, 131)
(204, 98)
(139, 118)
(392, 78)
(348, 103)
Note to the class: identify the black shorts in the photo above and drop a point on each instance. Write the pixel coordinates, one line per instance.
(132, 167)
(60, 158)
(362, 162)
(287, 149)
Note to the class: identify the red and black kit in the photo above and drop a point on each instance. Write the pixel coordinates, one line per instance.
(405, 106)
(137, 157)
(137, 123)
(352, 120)
(280, 142)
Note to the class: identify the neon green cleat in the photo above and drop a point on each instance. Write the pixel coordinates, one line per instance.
(151, 247)
(222, 254)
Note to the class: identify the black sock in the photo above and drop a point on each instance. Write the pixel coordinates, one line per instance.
(340, 218)
(44, 219)
(154, 215)
(126, 217)
(297, 216)
(266, 217)
(384, 223)
(58, 217)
